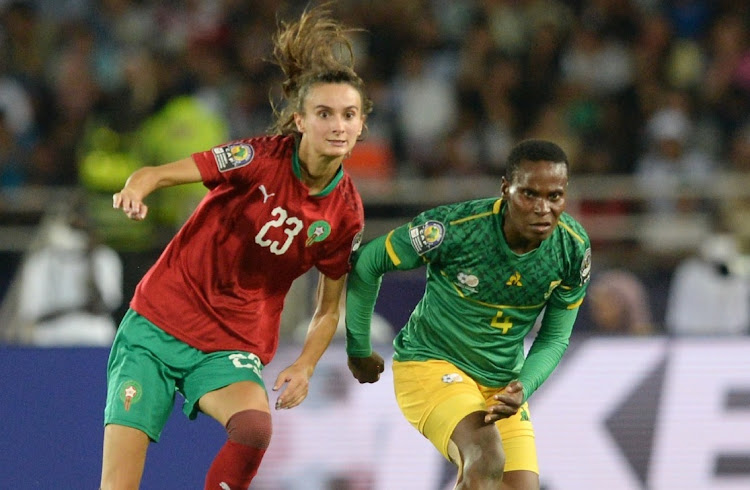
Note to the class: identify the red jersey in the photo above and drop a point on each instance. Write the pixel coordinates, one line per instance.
(220, 283)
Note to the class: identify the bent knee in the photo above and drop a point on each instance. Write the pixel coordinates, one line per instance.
(484, 457)
(479, 472)
(250, 428)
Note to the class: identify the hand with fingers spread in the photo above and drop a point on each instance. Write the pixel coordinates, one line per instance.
(297, 380)
(367, 369)
(509, 401)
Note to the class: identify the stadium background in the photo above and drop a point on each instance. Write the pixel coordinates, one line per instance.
(649, 98)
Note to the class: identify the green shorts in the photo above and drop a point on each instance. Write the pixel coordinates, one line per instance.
(147, 367)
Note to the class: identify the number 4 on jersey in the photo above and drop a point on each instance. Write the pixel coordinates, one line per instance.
(499, 322)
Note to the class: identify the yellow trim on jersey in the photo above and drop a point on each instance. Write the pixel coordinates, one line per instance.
(491, 305)
(495, 210)
(575, 305)
(390, 250)
(569, 230)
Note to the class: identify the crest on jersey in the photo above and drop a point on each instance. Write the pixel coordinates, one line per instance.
(357, 241)
(586, 266)
(233, 155)
(317, 232)
(468, 281)
(427, 236)
(452, 378)
(515, 279)
(130, 393)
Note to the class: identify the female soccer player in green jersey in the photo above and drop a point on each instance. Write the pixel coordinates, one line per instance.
(493, 266)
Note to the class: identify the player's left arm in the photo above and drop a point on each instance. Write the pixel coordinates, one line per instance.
(319, 334)
(559, 317)
(548, 348)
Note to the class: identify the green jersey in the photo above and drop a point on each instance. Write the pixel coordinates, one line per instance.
(481, 299)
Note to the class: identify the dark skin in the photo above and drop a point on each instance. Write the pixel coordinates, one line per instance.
(535, 198)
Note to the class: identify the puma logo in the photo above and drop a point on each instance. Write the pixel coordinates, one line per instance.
(266, 195)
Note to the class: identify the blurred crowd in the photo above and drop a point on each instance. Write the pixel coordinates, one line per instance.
(455, 83)
(654, 89)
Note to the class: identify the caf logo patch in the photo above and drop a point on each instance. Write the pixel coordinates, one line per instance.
(357, 241)
(586, 266)
(234, 155)
(427, 236)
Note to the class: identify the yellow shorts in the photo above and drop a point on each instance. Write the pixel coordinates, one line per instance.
(435, 396)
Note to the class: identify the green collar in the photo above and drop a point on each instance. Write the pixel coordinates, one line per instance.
(298, 172)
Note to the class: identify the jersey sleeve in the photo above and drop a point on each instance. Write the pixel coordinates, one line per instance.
(559, 317)
(393, 251)
(419, 241)
(230, 162)
(337, 260)
(548, 347)
(571, 292)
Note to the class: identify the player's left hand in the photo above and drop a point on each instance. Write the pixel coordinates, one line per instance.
(297, 380)
(367, 369)
(509, 401)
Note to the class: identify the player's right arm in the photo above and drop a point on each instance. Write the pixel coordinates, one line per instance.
(146, 180)
(383, 254)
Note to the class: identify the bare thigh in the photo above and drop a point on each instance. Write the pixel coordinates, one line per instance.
(221, 404)
(123, 458)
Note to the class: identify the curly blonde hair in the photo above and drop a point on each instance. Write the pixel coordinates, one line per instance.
(312, 50)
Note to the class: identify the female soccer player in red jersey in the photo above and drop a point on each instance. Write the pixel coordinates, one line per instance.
(204, 320)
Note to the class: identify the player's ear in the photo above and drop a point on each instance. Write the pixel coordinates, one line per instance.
(504, 186)
(299, 121)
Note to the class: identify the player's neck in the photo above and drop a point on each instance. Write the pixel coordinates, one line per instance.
(318, 173)
(517, 243)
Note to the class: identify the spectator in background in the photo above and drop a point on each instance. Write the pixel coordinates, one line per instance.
(12, 158)
(709, 294)
(67, 288)
(17, 133)
(734, 212)
(725, 85)
(618, 304)
(667, 172)
(418, 86)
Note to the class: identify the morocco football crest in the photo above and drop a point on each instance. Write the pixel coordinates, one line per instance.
(130, 393)
(317, 232)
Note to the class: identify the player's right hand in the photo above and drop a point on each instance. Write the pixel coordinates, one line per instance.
(509, 401)
(132, 205)
(367, 369)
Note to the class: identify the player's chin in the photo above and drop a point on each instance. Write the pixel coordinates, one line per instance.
(340, 147)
